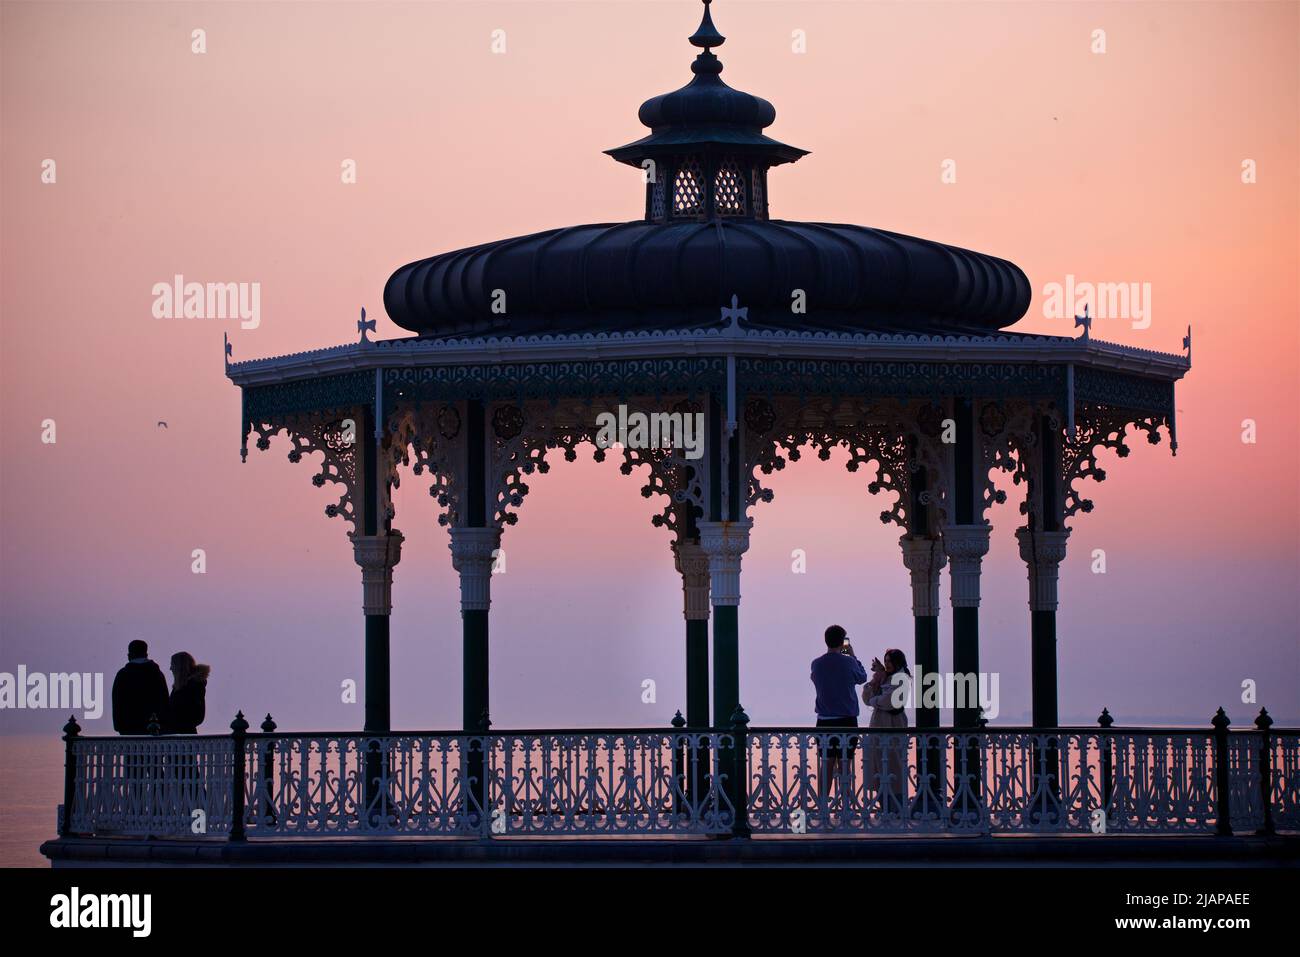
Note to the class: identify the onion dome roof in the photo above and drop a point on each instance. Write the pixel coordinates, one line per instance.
(705, 238)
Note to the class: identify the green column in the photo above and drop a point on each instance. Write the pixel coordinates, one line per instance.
(697, 673)
(966, 660)
(1042, 548)
(377, 706)
(473, 547)
(693, 565)
(1042, 639)
(923, 556)
(475, 705)
(726, 663)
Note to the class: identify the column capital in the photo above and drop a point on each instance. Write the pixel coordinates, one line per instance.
(377, 554)
(692, 564)
(473, 555)
(1042, 553)
(965, 546)
(724, 543)
(924, 559)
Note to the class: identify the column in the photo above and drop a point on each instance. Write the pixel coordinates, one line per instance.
(924, 557)
(377, 554)
(1042, 547)
(1043, 552)
(965, 547)
(473, 555)
(724, 543)
(693, 565)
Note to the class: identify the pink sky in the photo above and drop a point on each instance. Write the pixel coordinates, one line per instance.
(1120, 167)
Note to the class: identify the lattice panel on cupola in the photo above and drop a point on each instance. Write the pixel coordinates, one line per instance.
(757, 193)
(729, 189)
(688, 189)
(657, 200)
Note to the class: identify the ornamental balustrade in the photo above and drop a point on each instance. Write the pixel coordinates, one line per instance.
(681, 781)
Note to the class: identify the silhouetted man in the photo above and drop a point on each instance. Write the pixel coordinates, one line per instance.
(139, 691)
(836, 676)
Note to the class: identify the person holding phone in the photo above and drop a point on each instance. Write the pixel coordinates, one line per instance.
(836, 675)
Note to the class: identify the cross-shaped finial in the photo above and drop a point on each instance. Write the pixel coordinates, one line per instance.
(1084, 321)
(364, 324)
(735, 313)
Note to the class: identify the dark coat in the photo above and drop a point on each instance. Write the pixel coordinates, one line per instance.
(139, 692)
(186, 707)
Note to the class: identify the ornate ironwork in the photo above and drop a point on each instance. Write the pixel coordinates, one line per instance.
(523, 435)
(1098, 427)
(798, 780)
(588, 380)
(336, 439)
(152, 786)
(886, 433)
(429, 438)
(1123, 390)
(899, 380)
(1006, 440)
(332, 393)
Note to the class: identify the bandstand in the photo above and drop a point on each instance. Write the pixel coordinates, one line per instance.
(786, 338)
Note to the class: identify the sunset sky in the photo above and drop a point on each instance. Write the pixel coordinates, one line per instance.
(1122, 166)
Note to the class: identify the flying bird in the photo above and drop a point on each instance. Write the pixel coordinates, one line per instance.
(162, 425)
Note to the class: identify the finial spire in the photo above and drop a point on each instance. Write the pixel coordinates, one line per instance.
(707, 35)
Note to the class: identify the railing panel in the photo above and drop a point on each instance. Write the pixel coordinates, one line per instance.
(152, 787)
(1286, 780)
(1164, 781)
(649, 782)
(530, 783)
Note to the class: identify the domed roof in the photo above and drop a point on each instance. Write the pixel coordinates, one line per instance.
(706, 238)
(643, 275)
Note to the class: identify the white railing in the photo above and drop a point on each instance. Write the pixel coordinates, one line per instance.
(684, 782)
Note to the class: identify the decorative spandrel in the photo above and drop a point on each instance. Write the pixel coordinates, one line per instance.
(898, 439)
(430, 438)
(1099, 427)
(521, 435)
(335, 437)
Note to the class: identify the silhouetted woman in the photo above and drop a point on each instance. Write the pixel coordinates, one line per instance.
(186, 706)
(886, 693)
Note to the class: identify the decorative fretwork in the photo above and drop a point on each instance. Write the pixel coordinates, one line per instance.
(898, 380)
(895, 437)
(1123, 390)
(267, 403)
(983, 782)
(1003, 429)
(657, 200)
(591, 380)
(522, 434)
(331, 786)
(760, 207)
(688, 188)
(729, 189)
(1098, 427)
(429, 437)
(336, 439)
(673, 475)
